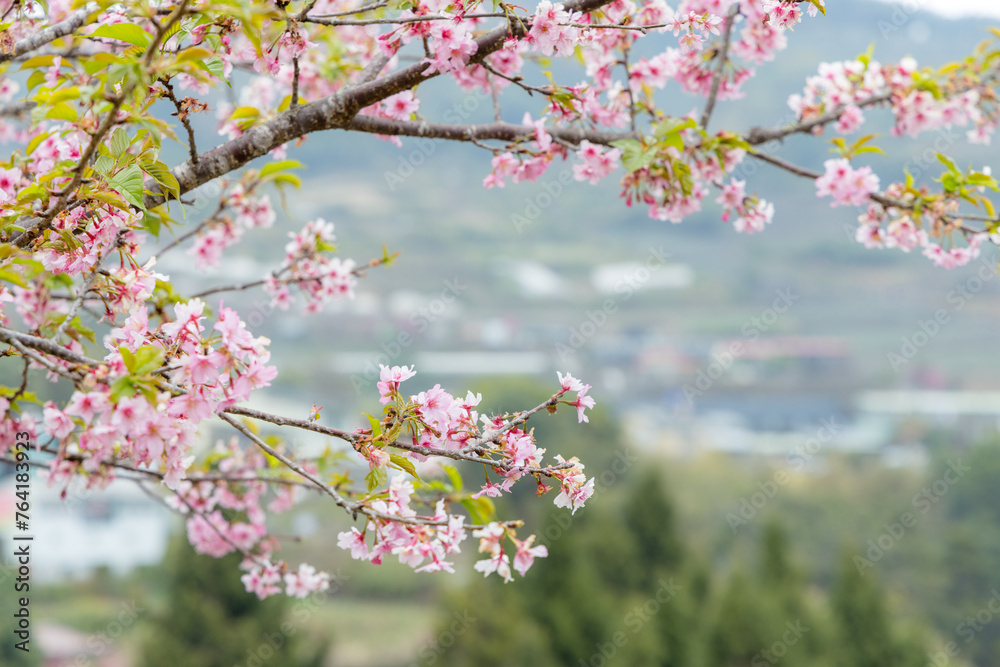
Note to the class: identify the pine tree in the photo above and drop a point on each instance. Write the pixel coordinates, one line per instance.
(650, 518)
(211, 621)
(785, 584)
(865, 634)
(742, 627)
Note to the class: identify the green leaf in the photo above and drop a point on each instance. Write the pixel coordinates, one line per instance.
(119, 142)
(162, 175)
(819, 6)
(122, 387)
(281, 165)
(404, 463)
(949, 182)
(125, 32)
(481, 509)
(948, 162)
(33, 144)
(376, 478)
(634, 157)
(375, 424)
(454, 476)
(128, 358)
(128, 183)
(147, 359)
(216, 68)
(13, 277)
(290, 179)
(671, 125)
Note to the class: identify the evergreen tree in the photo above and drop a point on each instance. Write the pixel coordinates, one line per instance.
(650, 518)
(742, 627)
(865, 635)
(783, 582)
(502, 634)
(211, 621)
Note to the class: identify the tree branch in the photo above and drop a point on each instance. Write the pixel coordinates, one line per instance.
(498, 131)
(720, 66)
(759, 135)
(327, 113)
(52, 33)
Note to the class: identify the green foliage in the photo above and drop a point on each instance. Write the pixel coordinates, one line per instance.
(211, 621)
(865, 636)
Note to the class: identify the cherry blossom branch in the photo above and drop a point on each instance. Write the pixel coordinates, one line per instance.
(351, 12)
(332, 112)
(39, 224)
(15, 109)
(358, 272)
(42, 361)
(759, 135)
(49, 347)
(89, 283)
(291, 465)
(401, 20)
(877, 197)
(51, 33)
(501, 131)
(182, 116)
(354, 507)
(720, 66)
(477, 444)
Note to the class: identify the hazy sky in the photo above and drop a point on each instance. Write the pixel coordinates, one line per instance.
(952, 8)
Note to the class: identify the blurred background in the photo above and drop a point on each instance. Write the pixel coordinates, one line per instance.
(795, 442)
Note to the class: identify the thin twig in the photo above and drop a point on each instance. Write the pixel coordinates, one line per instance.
(182, 116)
(52, 33)
(720, 66)
(295, 84)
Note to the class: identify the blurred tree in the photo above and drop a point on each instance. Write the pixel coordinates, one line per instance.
(865, 635)
(742, 627)
(211, 620)
(650, 518)
(782, 581)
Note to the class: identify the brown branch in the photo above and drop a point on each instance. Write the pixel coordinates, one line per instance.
(760, 135)
(49, 347)
(720, 66)
(51, 33)
(182, 116)
(401, 20)
(327, 113)
(497, 131)
(16, 109)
